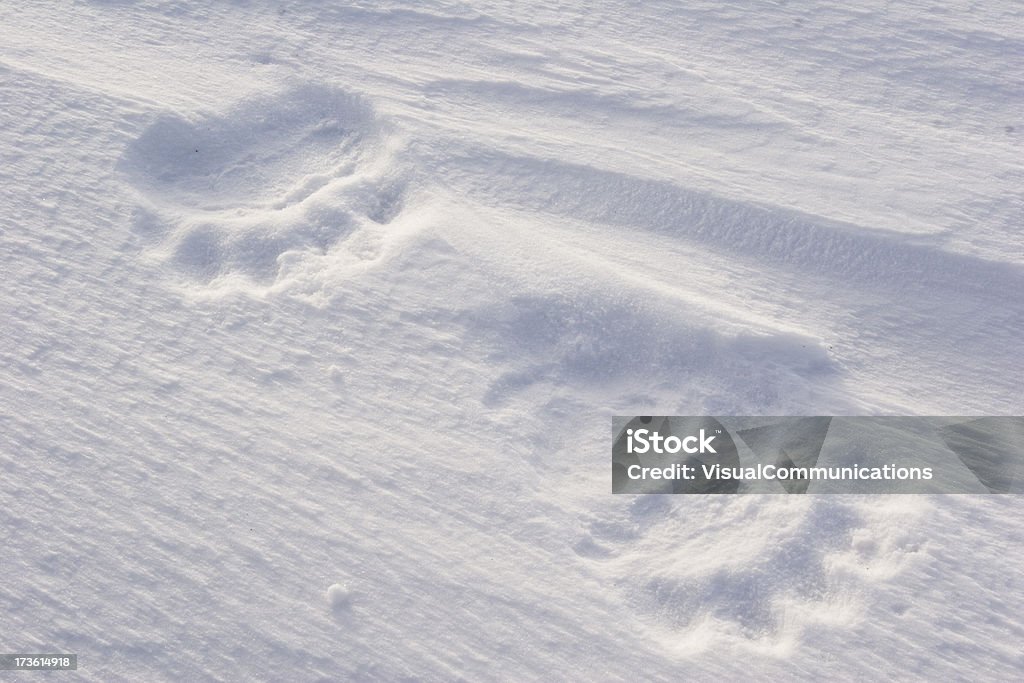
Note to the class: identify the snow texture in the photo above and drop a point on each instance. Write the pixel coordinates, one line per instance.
(316, 315)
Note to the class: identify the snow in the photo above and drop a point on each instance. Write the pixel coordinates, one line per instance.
(316, 318)
(339, 597)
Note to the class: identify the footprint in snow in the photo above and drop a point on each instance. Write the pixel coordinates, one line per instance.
(295, 181)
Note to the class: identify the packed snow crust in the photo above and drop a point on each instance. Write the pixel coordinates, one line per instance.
(315, 316)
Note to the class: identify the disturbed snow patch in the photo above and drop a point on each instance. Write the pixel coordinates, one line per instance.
(611, 342)
(277, 186)
(780, 569)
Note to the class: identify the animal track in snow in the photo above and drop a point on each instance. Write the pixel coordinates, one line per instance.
(275, 189)
(747, 586)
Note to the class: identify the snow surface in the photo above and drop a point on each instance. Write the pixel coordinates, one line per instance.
(315, 316)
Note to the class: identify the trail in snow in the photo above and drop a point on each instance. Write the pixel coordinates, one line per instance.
(315, 319)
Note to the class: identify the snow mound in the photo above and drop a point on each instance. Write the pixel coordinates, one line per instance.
(339, 597)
